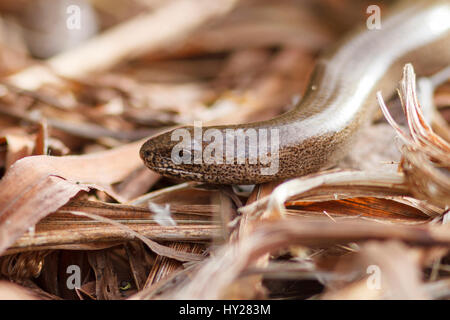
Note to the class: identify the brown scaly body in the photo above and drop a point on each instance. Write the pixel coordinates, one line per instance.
(340, 99)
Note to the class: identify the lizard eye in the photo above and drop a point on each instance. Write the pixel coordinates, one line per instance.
(185, 153)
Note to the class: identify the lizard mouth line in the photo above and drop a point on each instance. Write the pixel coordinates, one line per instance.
(167, 170)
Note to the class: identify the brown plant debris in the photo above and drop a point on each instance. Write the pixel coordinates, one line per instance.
(82, 218)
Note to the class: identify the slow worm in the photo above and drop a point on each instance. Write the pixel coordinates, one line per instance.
(320, 130)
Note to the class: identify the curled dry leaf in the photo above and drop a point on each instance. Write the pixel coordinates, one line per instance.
(36, 186)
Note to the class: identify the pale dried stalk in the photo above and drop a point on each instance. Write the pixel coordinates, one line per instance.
(129, 39)
(12, 291)
(299, 186)
(228, 263)
(251, 287)
(400, 269)
(154, 246)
